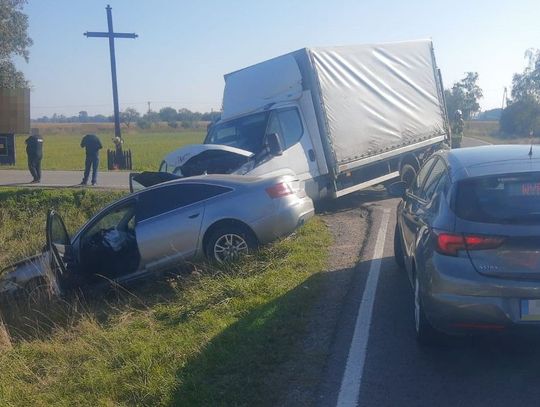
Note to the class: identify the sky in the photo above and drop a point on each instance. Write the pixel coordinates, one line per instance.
(186, 46)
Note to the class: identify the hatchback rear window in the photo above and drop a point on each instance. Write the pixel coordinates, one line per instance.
(507, 199)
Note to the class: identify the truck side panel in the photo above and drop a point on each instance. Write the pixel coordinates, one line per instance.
(378, 98)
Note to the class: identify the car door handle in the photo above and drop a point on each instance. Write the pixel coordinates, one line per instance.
(311, 155)
(193, 216)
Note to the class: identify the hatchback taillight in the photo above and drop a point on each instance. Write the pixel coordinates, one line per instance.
(279, 190)
(451, 243)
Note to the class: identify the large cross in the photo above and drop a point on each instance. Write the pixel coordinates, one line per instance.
(111, 35)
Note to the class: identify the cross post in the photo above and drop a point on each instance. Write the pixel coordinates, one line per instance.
(111, 35)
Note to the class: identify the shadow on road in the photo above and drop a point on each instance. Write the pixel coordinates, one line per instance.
(352, 201)
(490, 370)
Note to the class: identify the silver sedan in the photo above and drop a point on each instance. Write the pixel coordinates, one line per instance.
(216, 216)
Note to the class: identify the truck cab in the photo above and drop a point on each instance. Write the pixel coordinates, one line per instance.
(253, 132)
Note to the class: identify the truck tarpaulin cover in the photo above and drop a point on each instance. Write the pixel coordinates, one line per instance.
(378, 97)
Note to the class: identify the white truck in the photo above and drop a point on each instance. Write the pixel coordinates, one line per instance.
(342, 118)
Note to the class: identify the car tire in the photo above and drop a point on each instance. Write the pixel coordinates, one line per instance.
(398, 247)
(408, 174)
(426, 335)
(232, 241)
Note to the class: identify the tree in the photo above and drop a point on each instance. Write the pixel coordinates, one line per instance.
(14, 41)
(129, 115)
(83, 116)
(526, 85)
(464, 96)
(522, 115)
(168, 114)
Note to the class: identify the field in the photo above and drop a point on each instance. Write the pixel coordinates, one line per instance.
(62, 149)
(216, 336)
(489, 131)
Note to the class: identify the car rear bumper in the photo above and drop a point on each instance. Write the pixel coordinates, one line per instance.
(459, 300)
(289, 215)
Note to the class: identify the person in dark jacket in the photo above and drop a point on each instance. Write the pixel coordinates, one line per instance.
(34, 151)
(92, 144)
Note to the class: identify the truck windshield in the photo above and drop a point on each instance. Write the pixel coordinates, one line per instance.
(245, 132)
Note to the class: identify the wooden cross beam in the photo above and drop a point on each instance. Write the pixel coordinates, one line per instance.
(111, 35)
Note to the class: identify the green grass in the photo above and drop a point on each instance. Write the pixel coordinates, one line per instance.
(216, 337)
(24, 213)
(62, 151)
(489, 131)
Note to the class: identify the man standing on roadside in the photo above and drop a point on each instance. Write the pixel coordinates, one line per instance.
(34, 150)
(92, 145)
(457, 129)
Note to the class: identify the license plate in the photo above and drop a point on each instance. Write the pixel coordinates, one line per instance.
(530, 310)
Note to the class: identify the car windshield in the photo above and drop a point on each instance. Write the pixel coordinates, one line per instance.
(511, 198)
(245, 132)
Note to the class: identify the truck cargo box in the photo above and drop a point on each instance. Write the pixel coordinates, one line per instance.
(370, 99)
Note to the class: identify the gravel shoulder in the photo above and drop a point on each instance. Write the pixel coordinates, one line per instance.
(348, 221)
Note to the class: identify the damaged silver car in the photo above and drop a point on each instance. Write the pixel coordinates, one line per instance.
(219, 217)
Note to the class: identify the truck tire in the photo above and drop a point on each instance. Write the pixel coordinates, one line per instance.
(408, 174)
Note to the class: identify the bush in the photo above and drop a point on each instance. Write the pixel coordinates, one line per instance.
(520, 118)
(186, 124)
(172, 124)
(143, 124)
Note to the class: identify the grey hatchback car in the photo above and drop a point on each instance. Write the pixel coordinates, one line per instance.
(217, 216)
(468, 235)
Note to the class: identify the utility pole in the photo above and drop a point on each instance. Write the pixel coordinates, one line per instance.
(111, 35)
(149, 110)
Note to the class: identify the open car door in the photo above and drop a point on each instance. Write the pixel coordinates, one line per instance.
(59, 246)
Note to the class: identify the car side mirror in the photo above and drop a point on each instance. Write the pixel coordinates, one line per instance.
(273, 141)
(397, 189)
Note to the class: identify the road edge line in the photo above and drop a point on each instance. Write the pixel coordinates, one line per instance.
(351, 381)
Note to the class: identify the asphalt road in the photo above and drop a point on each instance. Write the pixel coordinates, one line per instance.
(376, 361)
(395, 370)
(22, 178)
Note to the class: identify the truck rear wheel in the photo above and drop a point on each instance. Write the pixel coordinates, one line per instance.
(408, 174)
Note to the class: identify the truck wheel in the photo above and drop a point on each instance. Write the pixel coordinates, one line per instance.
(228, 243)
(408, 174)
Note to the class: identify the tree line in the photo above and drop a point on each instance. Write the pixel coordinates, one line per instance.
(520, 117)
(131, 117)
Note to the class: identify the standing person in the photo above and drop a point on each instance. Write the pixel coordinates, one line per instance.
(34, 151)
(92, 144)
(457, 129)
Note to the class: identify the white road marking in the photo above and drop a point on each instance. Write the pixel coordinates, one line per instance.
(349, 391)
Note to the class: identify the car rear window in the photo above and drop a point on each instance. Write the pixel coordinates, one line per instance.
(170, 197)
(507, 199)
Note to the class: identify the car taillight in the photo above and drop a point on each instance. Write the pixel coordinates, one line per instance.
(450, 243)
(279, 190)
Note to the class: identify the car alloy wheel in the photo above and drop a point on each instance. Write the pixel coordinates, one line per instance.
(425, 333)
(230, 247)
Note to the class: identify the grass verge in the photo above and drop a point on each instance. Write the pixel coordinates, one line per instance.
(217, 337)
(24, 211)
(62, 151)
